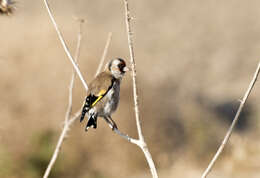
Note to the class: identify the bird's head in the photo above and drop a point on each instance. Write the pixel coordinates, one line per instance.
(117, 67)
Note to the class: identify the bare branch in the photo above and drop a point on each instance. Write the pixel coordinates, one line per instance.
(104, 54)
(229, 132)
(68, 121)
(131, 140)
(65, 46)
(133, 67)
(59, 144)
(144, 148)
(142, 144)
(77, 53)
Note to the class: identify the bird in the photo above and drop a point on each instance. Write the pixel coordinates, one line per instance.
(103, 95)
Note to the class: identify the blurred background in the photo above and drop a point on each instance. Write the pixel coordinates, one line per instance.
(195, 60)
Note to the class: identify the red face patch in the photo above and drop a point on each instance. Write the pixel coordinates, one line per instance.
(121, 65)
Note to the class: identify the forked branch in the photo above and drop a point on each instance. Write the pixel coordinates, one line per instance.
(141, 142)
(229, 132)
(68, 119)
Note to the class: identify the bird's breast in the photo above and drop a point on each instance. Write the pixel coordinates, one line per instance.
(112, 99)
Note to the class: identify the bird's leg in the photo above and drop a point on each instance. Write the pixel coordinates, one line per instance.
(108, 121)
(113, 123)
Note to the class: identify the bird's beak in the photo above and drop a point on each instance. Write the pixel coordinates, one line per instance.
(126, 69)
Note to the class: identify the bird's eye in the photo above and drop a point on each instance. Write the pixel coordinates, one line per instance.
(121, 66)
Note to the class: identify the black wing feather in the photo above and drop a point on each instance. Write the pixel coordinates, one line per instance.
(90, 99)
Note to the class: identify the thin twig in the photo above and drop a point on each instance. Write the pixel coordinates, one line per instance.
(68, 119)
(229, 132)
(60, 141)
(133, 67)
(142, 143)
(131, 140)
(65, 46)
(104, 53)
(77, 53)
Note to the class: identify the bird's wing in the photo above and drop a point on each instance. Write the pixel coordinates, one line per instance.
(99, 96)
(99, 87)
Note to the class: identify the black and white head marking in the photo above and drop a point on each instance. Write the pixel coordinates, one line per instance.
(117, 67)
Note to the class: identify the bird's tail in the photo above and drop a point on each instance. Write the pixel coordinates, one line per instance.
(92, 122)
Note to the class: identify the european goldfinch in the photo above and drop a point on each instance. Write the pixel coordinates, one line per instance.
(103, 94)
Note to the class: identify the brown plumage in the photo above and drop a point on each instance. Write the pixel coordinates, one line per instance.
(101, 82)
(103, 94)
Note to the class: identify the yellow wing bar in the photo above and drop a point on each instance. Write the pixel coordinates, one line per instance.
(100, 96)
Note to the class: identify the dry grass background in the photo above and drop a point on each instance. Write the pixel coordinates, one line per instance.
(195, 60)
